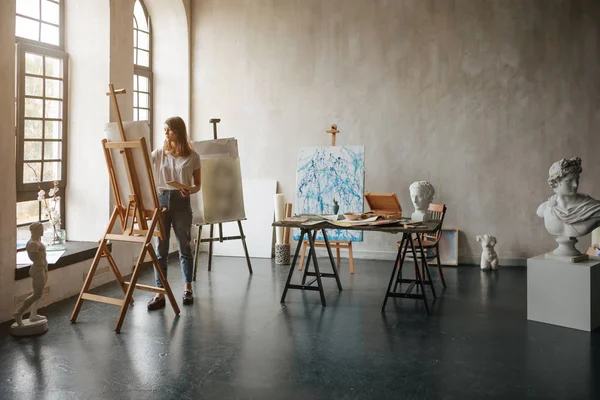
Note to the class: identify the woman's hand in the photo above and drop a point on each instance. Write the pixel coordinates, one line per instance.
(184, 192)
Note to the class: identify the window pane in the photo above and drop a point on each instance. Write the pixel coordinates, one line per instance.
(140, 16)
(143, 58)
(135, 114)
(32, 150)
(53, 67)
(34, 86)
(135, 38)
(135, 56)
(50, 34)
(33, 129)
(143, 115)
(52, 150)
(54, 109)
(54, 88)
(142, 83)
(27, 28)
(33, 107)
(144, 100)
(143, 41)
(31, 8)
(31, 172)
(34, 64)
(53, 130)
(51, 171)
(135, 97)
(135, 81)
(28, 212)
(50, 12)
(23, 236)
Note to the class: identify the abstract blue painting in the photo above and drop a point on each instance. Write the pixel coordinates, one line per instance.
(331, 173)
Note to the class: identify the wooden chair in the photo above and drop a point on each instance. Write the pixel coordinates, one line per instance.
(431, 242)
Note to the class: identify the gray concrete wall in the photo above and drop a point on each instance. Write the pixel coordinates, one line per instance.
(477, 96)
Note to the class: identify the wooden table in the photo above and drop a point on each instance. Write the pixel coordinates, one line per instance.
(409, 235)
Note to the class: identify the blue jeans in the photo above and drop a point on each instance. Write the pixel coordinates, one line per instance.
(179, 216)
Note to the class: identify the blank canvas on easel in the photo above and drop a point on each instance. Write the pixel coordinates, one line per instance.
(134, 130)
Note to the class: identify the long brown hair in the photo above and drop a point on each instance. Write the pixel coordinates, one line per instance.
(181, 146)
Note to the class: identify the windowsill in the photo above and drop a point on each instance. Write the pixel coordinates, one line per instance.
(74, 252)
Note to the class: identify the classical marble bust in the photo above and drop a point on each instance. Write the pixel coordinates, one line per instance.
(421, 194)
(568, 214)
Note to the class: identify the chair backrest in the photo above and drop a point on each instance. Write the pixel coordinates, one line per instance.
(437, 211)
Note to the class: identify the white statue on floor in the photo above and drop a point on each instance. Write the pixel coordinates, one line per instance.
(489, 258)
(568, 214)
(39, 275)
(421, 194)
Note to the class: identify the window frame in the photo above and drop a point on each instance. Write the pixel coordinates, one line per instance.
(140, 70)
(61, 27)
(29, 191)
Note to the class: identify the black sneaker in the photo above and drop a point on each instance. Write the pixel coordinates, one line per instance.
(156, 303)
(188, 298)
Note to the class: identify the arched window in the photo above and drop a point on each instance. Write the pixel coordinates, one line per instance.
(142, 64)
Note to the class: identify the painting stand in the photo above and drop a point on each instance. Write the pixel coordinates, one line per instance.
(337, 245)
(210, 240)
(139, 223)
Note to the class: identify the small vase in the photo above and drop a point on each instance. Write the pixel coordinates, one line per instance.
(54, 239)
(336, 208)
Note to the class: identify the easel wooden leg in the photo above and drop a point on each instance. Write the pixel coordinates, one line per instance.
(350, 258)
(197, 251)
(210, 247)
(88, 281)
(245, 247)
(115, 269)
(163, 279)
(304, 245)
(90, 276)
(129, 293)
(333, 266)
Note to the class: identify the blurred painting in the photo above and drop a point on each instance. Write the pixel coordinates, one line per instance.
(222, 193)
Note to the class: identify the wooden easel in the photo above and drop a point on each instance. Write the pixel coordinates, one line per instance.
(337, 245)
(220, 238)
(139, 223)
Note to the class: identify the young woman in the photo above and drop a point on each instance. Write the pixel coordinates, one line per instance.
(176, 161)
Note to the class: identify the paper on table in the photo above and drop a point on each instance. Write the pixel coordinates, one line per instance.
(51, 256)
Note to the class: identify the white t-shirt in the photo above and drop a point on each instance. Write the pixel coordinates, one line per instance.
(167, 168)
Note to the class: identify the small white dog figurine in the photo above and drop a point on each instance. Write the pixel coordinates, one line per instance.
(489, 258)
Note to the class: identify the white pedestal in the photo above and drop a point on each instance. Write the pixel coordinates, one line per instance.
(29, 328)
(563, 293)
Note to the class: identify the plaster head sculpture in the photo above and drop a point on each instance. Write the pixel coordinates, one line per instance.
(489, 258)
(568, 214)
(421, 195)
(39, 275)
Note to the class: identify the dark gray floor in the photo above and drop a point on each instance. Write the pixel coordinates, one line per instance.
(238, 342)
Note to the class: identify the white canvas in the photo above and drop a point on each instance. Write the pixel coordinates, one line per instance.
(258, 199)
(134, 130)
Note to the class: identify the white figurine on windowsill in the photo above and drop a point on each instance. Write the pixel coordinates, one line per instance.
(36, 251)
(489, 258)
(421, 194)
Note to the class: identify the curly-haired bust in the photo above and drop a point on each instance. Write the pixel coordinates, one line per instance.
(568, 214)
(421, 194)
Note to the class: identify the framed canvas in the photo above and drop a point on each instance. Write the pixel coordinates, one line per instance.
(448, 248)
(329, 173)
